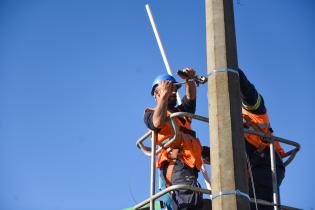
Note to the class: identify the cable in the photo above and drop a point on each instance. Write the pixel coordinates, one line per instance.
(251, 179)
(130, 192)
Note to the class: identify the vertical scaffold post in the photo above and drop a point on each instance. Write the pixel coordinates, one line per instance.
(152, 184)
(276, 199)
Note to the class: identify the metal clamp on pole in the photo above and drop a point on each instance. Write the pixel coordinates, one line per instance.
(198, 79)
(234, 192)
(219, 70)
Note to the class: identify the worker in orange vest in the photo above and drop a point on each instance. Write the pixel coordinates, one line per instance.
(180, 162)
(255, 117)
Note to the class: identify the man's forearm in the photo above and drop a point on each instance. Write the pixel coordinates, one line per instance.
(160, 114)
(191, 90)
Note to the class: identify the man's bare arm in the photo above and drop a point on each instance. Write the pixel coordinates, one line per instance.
(162, 93)
(191, 90)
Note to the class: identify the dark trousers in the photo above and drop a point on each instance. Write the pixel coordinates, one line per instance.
(183, 199)
(261, 170)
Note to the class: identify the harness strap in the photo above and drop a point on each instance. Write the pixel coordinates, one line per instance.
(174, 153)
(170, 168)
(187, 131)
(250, 123)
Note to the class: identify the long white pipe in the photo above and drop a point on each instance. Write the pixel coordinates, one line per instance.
(157, 37)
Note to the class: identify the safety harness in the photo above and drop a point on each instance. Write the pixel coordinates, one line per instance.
(175, 153)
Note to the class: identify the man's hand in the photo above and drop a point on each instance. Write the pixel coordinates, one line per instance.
(164, 90)
(162, 94)
(190, 85)
(189, 73)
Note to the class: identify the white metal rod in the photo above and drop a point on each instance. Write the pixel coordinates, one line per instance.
(157, 37)
(152, 190)
(274, 176)
(206, 176)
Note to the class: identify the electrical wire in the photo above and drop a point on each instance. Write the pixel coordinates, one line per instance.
(131, 193)
(249, 166)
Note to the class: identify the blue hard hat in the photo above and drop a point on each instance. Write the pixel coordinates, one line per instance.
(159, 78)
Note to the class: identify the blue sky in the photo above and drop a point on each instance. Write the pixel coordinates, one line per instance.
(75, 77)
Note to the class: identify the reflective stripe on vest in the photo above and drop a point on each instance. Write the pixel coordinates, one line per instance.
(255, 106)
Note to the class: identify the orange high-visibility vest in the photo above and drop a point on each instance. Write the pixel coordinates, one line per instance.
(188, 145)
(260, 123)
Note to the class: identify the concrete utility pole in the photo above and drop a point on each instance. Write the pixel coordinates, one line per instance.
(228, 164)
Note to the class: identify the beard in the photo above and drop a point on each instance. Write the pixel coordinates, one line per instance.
(172, 102)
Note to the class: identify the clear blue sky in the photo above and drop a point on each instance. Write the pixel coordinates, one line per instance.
(75, 78)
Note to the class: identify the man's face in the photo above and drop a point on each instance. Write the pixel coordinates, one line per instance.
(172, 99)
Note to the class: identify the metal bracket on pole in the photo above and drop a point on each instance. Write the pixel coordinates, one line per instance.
(234, 192)
(219, 70)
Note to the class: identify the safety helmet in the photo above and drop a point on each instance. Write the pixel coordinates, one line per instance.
(159, 78)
